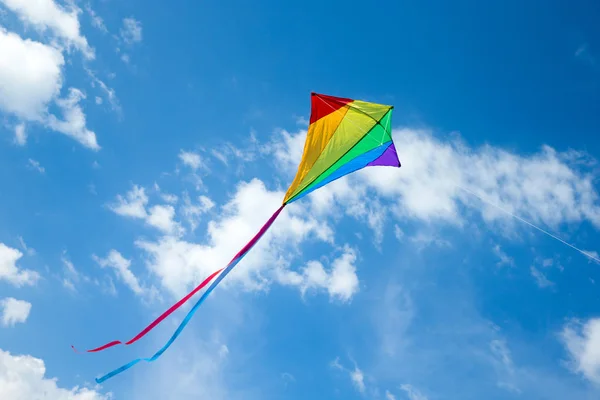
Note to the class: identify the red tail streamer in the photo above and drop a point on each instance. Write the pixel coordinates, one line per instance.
(157, 320)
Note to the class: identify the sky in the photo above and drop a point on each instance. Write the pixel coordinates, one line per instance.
(142, 144)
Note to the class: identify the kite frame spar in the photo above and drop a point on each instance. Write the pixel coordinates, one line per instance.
(344, 136)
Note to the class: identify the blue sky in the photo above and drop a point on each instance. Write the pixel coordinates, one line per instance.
(143, 144)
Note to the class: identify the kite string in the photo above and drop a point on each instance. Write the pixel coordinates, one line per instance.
(528, 223)
(190, 314)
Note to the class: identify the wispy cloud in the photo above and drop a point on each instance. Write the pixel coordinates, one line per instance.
(584, 54)
(356, 375)
(504, 259)
(504, 365)
(36, 166)
(108, 92)
(97, 21)
(20, 134)
(540, 278)
(191, 159)
(121, 266)
(412, 393)
(131, 32)
(29, 250)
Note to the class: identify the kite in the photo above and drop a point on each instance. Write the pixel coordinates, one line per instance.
(344, 136)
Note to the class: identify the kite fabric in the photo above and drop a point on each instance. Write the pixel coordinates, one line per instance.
(344, 136)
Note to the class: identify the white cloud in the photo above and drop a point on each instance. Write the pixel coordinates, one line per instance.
(356, 375)
(162, 217)
(133, 204)
(30, 76)
(193, 211)
(74, 123)
(69, 284)
(31, 79)
(191, 159)
(48, 15)
(288, 149)
(546, 187)
(97, 21)
(20, 134)
(302, 121)
(358, 379)
(412, 393)
(22, 378)
(169, 198)
(392, 318)
(398, 232)
(287, 377)
(582, 341)
(426, 238)
(583, 53)
(229, 154)
(503, 362)
(14, 311)
(336, 364)
(389, 396)
(500, 350)
(36, 165)
(131, 32)
(72, 276)
(200, 371)
(180, 263)
(109, 92)
(504, 259)
(9, 270)
(121, 266)
(219, 156)
(341, 282)
(30, 251)
(540, 278)
(593, 254)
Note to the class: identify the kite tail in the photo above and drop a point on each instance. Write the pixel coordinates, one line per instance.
(157, 320)
(190, 314)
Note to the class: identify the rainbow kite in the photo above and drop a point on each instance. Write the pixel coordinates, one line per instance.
(344, 136)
